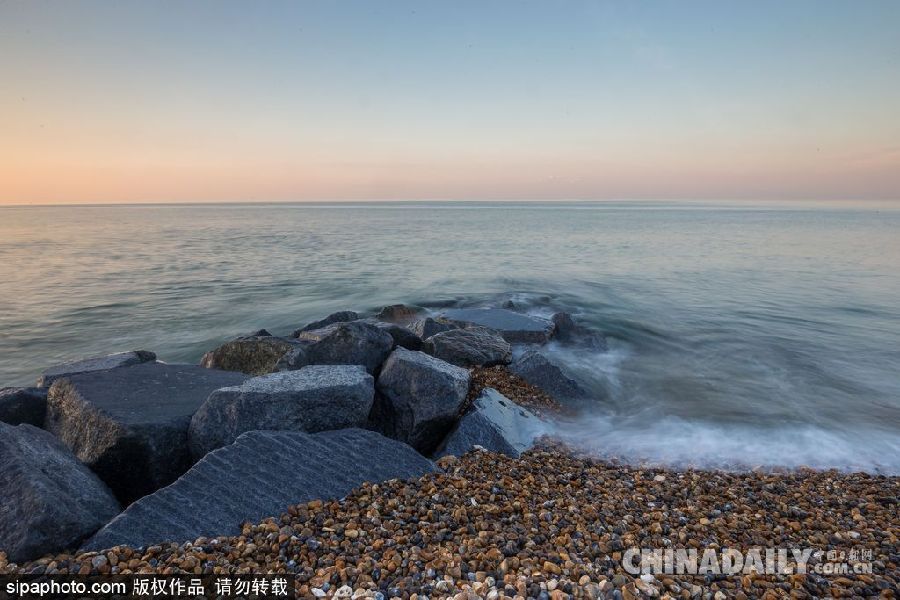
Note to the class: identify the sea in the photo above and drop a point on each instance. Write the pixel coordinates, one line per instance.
(741, 334)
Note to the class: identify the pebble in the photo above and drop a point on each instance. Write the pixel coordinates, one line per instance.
(550, 524)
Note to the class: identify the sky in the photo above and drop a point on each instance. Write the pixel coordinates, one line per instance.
(205, 101)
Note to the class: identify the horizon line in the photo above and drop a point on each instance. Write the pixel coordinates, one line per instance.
(439, 200)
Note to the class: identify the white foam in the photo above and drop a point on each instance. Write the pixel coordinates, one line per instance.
(674, 442)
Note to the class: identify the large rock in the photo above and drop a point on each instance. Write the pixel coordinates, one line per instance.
(342, 316)
(399, 313)
(130, 425)
(497, 424)
(567, 330)
(470, 347)
(402, 336)
(23, 405)
(258, 476)
(95, 363)
(352, 343)
(514, 327)
(537, 370)
(419, 399)
(254, 354)
(315, 398)
(427, 327)
(50, 501)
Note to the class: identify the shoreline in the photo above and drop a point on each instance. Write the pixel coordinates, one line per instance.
(419, 456)
(548, 524)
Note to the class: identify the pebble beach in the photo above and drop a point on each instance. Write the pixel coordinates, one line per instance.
(552, 523)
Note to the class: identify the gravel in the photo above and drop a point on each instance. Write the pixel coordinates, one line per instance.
(550, 524)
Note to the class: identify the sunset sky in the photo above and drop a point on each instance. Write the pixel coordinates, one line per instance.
(238, 101)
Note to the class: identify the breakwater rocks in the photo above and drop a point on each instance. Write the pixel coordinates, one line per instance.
(391, 454)
(144, 434)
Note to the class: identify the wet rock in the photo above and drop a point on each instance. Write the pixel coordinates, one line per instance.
(419, 398)
(253, 354)
(565, 325)
(427, 327)
(403, 337)
(50, 500)
(495, 423)
(537, 370)
(23, 405)
(399, 313)
(314, 398)
(470, 347)
(342, 316)
(351, 343)
(96, 363)
(514, 327)
(567, 330)
(259, 475)
(130, 425)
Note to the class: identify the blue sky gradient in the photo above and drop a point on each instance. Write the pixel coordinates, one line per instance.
(218, 101)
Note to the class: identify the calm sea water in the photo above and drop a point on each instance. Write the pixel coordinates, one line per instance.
(740, 334)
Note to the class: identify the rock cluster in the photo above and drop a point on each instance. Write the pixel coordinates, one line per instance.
(156, 437)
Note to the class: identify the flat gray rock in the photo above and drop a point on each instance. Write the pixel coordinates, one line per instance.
(130, 425)
(339, 317)
(258, 476)
(314, 398)
(95, 363)
(495, 423)
(427, 327)
(351, 343)
(253, 355)
(50, 501)
(419, 398)
(23, 405)
(536, 369)
(469, 347)
(514, 327)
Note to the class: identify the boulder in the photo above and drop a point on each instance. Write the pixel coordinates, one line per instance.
(342, 316)
(23, 405)
(567, 330)
(130, 425)
(497, 424)
(419, 398)
(470, 347)
(260, 475)
(253, 354)
(51, 501)
(315, 398)
(352, 343)
(427, 327)
(96, 363)
(514, 327)
(399, 313)
(537, 370)
(402, 336)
